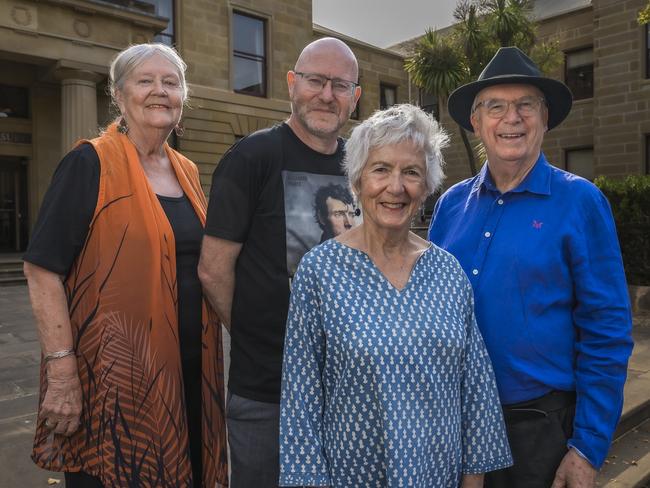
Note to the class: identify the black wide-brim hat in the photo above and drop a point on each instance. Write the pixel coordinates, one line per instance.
(511, 66)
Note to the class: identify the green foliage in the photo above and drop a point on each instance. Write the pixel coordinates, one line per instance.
(630, 201)
(440, 64)
(437, 66)
(509, 22)
(644, 15)
(471, 38)
(547, 55)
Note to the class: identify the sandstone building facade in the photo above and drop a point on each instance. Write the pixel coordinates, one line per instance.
(54, 58)
(607, 66)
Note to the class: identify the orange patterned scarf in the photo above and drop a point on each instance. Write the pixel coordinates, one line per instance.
(122, 300)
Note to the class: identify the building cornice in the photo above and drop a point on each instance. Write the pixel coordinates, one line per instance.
(99, 7)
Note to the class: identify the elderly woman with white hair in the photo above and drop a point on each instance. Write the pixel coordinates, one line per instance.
(386, 380)
(131, 370)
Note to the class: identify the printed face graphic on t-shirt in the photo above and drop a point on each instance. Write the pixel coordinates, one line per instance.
(316, 208)
(339, 216)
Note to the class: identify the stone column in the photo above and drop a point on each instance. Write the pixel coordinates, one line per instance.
(78, 105)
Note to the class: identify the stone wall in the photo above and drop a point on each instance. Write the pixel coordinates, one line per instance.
(616, 120)
(217, 116)
(622, 93)
(206, 45)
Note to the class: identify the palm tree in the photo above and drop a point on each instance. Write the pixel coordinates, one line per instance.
(440, 64)
(472, 36)
(438, 67)
(509, 22)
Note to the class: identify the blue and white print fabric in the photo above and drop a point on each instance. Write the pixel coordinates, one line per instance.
(385, 387)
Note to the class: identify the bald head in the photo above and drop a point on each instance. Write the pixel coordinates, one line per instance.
(319, 107)
(323, 51)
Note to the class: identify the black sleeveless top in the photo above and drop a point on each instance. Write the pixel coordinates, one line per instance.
(188, 233)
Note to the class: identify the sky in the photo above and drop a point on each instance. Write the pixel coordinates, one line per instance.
(383, 22)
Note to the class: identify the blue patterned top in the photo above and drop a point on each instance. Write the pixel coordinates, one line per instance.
(385, 387)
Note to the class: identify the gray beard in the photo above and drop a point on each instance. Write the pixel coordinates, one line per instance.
(314, 130)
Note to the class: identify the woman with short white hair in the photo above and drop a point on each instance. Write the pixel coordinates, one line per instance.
(131, 371)
(386, 381)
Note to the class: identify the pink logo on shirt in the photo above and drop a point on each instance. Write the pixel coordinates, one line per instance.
(537, 225)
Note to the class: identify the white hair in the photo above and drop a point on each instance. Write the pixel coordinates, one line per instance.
(392, 126)
(127, 60)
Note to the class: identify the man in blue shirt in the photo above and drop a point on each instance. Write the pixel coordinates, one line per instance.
(539, 246)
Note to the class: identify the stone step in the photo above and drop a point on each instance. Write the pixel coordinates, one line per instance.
(11, 271)
(12, 280)
(628, 460)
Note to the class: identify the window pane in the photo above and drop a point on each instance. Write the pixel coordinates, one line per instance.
(14, 102)
(249, 76)
(580, 58)
(581, 162)
(164, 8)
(249, 55)
(248, 35)
(164, 39)
(429, 103)
(387, 97)
(579, 75)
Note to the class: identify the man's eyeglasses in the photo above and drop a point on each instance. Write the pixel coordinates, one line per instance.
(497, 107)
(316, 82)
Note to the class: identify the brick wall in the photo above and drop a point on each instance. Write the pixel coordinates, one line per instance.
(205, 39)
(616, 120)
(217, 116)
(622, 93)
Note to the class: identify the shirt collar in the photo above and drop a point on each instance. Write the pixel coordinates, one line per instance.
(538, 180)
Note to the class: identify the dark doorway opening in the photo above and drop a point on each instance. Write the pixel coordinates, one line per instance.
(13, 204)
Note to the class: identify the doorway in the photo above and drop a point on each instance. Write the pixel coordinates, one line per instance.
(13, 204)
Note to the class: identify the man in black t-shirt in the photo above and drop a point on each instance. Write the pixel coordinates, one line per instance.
(260, 223)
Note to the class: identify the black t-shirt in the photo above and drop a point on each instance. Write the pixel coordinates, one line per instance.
(66, 212)
(64, 219)
(263, 197)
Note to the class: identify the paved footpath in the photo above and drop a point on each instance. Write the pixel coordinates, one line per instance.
(19, 366)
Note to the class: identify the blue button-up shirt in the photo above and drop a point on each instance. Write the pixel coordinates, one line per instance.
(550, 291)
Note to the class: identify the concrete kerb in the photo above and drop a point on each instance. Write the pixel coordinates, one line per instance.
(635, 476)
(639, 298)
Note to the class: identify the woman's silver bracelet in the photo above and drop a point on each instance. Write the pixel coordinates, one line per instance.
(58, 355)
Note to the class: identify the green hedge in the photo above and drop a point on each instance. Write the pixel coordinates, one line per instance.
(630, 201)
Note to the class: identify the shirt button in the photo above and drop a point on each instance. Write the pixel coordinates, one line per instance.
(487, 234)
(475, 271)
(500, 201)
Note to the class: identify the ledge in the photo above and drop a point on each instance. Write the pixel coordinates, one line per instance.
(219, 95)
(108, 9)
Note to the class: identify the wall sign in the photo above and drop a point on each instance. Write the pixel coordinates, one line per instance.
(15, 138)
